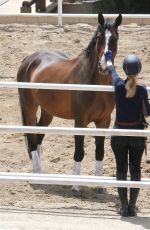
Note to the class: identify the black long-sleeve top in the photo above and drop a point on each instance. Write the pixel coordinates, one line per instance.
(128, 109)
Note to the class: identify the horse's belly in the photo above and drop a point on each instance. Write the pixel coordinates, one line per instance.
(55, 102)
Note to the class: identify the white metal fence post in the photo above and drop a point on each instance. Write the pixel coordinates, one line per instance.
(60, 12)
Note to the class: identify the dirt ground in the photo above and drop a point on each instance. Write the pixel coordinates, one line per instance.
(17, 41)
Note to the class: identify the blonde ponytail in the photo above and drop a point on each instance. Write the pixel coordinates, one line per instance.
(131, 86)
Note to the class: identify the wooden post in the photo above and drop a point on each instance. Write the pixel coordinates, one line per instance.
(40, 6)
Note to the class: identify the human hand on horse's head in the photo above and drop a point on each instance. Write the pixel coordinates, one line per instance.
(108, 55)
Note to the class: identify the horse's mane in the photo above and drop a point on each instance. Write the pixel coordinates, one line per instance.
(108, 24)
(92, 43)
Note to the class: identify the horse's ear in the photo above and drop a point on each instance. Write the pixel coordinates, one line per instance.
(118, 21)
(100, 19)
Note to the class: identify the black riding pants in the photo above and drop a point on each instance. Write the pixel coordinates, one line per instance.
(128, 151)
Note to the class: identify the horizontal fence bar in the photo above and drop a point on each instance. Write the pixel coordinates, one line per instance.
(11, 174)
(75, 15)
(74, 131)
(56, 86)
(71, 180)
(82, 87)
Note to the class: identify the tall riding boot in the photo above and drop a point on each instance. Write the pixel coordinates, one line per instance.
(124, 201)
(134, 192)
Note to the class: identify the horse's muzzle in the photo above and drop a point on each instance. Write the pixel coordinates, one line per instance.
(102, 67)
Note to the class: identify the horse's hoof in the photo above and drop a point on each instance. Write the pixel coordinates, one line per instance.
(102, 191)
(75, 188)
(37, 170)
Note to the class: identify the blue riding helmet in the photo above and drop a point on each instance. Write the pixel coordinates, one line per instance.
(132, 65)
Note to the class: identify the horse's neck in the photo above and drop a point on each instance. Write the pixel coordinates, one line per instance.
(93, 75)
(91, 61)
(103, 79)
(86, 67)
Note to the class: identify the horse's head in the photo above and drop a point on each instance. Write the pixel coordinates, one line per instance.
(108, 35)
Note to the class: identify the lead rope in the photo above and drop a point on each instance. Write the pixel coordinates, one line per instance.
(146, 124)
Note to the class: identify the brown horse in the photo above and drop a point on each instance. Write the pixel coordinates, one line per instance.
(48, 66)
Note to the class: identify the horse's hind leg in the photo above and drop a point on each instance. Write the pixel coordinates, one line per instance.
(45, 120)
(28, 110)
(29, 119)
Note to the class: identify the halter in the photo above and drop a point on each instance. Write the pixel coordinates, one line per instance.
(102, 61)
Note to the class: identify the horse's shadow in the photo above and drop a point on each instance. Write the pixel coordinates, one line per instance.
(92, 195)
(85, 193)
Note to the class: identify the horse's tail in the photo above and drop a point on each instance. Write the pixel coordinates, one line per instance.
(24, 124)
(23, 76)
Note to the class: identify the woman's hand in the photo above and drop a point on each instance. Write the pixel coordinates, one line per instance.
(108, 56)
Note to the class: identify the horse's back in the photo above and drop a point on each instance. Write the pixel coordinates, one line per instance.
(47, 66)
(42, 57)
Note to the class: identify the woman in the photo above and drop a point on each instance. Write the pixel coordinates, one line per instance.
(129, 97)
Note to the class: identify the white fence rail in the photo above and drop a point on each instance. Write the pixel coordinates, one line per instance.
(73, 131)
(81, 87)
(86, 87)
(69, 179)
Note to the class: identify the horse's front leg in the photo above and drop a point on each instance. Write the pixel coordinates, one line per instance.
(99, 155)
(78, 157)
(99, 152)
